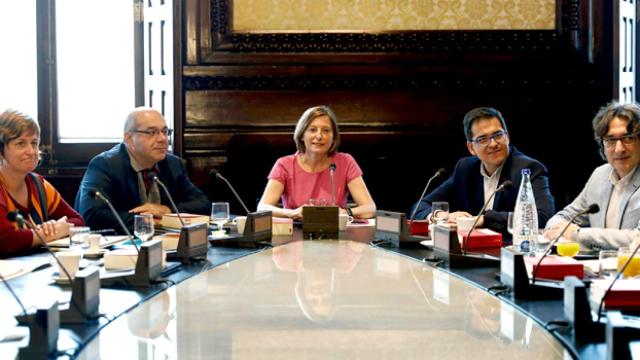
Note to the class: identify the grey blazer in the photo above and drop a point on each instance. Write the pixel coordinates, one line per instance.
(598, 190)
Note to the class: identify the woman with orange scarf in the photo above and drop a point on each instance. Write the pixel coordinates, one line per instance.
(23, 191)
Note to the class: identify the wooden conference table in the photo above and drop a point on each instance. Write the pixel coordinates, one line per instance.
(311, 299)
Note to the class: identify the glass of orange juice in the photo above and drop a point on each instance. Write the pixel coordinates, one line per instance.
(567, 248)
(634, 266)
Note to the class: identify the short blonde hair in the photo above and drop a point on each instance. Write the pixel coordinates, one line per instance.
(307, 117)
(14, 124)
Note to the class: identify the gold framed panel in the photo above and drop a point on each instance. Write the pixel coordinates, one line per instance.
(300, 16)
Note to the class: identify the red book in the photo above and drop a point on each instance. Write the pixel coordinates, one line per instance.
(625, 293)
(481, 238)
(555, 267)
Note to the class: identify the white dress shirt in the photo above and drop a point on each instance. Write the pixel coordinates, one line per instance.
(490, 183)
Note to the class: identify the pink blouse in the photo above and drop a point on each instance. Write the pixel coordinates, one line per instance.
(300, 186)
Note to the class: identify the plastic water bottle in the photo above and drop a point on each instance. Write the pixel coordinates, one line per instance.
(525, 226)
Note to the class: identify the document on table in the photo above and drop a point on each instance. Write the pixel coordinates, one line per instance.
(14, 268)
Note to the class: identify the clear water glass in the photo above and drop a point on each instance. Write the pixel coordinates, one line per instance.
(439, 211)
(77, 235)
(608, 263)
(220, 214)
(143, 226)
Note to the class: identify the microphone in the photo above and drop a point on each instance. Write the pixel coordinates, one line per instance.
(96, 194)
(504, 186)
(618, 274)
(332, 169)
(15, 216)
(214, 172)
(438, 173)
(154, 178)
(591, 209)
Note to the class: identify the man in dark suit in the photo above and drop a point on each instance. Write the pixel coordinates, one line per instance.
(476, 177)
(122, 175)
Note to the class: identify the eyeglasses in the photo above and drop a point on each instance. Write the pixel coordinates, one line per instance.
(625, 140)
(153, 132)
(486, 140)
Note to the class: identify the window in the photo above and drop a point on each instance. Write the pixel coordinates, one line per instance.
(18, 75)
(626, 51)
(95, 69)
(80, 66)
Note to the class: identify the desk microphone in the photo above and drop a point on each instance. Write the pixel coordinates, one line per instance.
(591, 209)
(332, 169)
(505, 186)
(96, 194)
(217, 174)
(15, 216)
(152, 177)
(438, 173)
(618, 274)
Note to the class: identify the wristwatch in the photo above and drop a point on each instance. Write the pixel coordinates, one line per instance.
(349, 211)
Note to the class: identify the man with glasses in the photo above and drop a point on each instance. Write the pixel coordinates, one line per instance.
(613, 186)
(122, 175)
(476, 177)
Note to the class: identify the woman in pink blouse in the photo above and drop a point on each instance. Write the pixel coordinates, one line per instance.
(305, 175)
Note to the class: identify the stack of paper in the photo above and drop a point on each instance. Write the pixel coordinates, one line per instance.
(121, 259)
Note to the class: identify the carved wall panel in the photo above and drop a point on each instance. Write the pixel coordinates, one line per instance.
(399, 95)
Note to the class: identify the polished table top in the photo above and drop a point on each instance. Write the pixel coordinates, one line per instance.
(324, 299)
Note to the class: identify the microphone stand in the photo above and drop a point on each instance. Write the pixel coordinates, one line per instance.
(192, 243)
(505, 185)
(332, 169)
(415, 209)
(546, 252)
(514, 273)
(591, 209)
(148, 267)
(22, 222)
(258, 226)
(618, 274)
(155, 179)
(6, 283)
(99, 195)
(84, 305)
(219, 176)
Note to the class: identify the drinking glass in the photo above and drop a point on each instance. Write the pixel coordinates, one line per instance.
(541, 243)
(439, 211)
(608, 263)
(143, 226)
(77, 235)
(568, 248)
(220, 215)
(633, 269)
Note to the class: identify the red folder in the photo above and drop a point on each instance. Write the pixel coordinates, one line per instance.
(556, 267)
(625, 293)
(481, 238)
(419, 227)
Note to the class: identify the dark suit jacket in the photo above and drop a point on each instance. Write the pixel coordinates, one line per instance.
(111, 174)
(464, 191)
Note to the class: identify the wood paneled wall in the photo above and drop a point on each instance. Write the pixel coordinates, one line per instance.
(400, 97)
